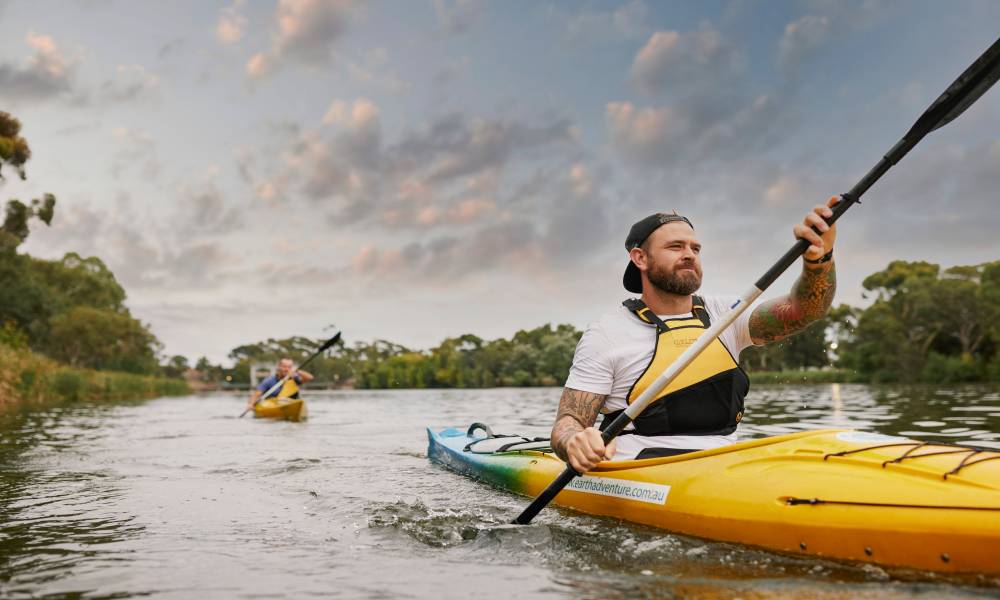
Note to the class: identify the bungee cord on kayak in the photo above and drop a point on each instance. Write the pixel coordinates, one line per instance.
(819, 501)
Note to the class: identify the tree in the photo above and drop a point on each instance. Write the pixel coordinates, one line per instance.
(176, 366)
(926, 324)
(101, 339)
(14, 150)
(78, 281)
(24, 298)
(15, 228)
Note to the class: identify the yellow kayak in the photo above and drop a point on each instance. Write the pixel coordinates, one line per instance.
(281, 408)
(831, 493)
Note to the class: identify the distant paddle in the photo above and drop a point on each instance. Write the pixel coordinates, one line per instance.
(959, 96)
(326, 345)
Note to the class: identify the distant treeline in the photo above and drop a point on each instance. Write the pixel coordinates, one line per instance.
(536, 357)
(925, 325)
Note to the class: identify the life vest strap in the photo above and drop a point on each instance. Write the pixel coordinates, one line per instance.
(637, 307)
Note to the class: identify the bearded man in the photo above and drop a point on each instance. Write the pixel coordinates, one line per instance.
(621, 354)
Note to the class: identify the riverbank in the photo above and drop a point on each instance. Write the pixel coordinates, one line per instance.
(28, 379)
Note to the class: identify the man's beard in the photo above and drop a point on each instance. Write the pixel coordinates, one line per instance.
(680, 282)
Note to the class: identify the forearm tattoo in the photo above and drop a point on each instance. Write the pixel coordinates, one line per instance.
(809, 300)
(577, 411)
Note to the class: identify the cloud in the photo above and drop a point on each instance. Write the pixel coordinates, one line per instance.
(457, 16)
(565, 224)
(666, 136)
(508, 245)
(171, 48)
(641, 131)
(954, 186)
(442, 172)
(708, 108)
(143, 256)
(307, 32)
(258, 66)
(802, 38)
(457, 197)
(452, 70)
(623, 23)
(202, 209)
(806, 35)
(131, 82)
(677, 62)
(48, 73)
(135, 148)
(362, 115)
(374, 70)
(786, 189)
(232, 23)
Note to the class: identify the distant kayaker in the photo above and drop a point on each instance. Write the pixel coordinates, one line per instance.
(290, 389)
(621, 354)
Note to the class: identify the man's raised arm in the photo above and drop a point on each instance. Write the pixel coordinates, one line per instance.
(812, 294)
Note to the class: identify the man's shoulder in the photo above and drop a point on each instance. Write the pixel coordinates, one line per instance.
(615, 325)
(612, 319)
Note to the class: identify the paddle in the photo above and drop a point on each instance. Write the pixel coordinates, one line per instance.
(322, 349)
(961, 94)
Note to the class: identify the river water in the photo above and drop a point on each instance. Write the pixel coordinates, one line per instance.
(177, 498)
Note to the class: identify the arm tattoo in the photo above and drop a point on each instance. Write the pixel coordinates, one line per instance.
(809, 301)
(577, 411)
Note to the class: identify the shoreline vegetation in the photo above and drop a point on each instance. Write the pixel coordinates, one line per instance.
(925, 324)
(28, 380)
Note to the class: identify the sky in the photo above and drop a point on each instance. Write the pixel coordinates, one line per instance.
(414, 170)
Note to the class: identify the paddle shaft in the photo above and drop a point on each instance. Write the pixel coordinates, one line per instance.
(939, 113)
(280, 383)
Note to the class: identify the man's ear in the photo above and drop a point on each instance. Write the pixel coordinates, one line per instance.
(638, 256)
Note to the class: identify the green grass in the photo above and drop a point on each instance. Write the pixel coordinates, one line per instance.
(28, 379)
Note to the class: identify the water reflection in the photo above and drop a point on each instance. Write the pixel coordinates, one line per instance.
(54, 518)
(961, 415)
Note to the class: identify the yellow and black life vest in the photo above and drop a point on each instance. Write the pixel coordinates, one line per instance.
(288, 390)
(706, 398)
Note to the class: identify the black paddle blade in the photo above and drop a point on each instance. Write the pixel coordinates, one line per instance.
(330, 342)
(963, 92)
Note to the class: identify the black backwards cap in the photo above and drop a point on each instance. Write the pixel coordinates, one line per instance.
(636, 236)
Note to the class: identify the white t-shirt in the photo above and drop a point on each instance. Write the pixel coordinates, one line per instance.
(614, 352)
